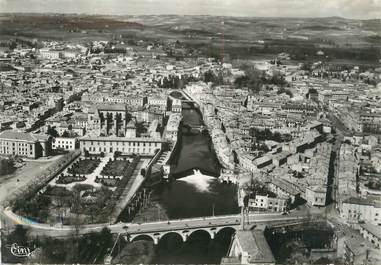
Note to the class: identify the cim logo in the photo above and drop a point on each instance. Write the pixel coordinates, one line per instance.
(20, 251)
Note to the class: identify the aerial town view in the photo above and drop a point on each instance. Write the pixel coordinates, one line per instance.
(190, 132)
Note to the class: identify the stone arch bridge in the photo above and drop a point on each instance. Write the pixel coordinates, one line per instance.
(211, 225)
(183, 233)
(185, 98)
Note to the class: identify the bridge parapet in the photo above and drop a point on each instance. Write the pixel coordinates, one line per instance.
(200, 218)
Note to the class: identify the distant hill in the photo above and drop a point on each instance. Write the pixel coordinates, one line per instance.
(242, 37)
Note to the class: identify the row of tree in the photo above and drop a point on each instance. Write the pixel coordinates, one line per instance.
(267, 134)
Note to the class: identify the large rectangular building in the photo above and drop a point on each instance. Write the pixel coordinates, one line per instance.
(372, 233)
(29, 145)
(316, 195)
(356, 209)
(173, 126)
(268, 203)
(138, 145)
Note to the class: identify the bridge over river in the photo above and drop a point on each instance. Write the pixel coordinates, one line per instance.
(183, 96)
(156, 230)
(212, 225)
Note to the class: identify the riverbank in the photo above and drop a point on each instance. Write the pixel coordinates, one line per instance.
(154, 211)
(138, 252)
(130, 190)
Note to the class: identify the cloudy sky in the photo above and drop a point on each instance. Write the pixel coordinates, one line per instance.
(362, 9)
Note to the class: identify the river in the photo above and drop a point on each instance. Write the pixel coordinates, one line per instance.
(190, 195)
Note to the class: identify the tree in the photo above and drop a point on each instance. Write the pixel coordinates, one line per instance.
(43, 201)
(216, 79)
(19, 235)
(306, 67)
(52, 131)
(288, 204)
(285, 91)
(253, 79)
(277, 137)
(105, 236)
(277, 79)
(6, 166)
(289, 93)
(65, 134)
(116, 154)
(87, 154)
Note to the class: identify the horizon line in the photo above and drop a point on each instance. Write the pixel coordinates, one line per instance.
(188, 15)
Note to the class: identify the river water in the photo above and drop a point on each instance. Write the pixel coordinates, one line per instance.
(194, 195)
(190, 195)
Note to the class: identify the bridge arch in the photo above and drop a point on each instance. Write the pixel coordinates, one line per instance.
(225, 233)
(205, 230)
(184, 234)
(178, 234)
(133, 238)
(231, 228)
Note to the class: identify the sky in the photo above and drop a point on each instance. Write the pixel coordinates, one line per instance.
(358, 9)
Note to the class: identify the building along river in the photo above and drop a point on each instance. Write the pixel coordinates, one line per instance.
(194, 195)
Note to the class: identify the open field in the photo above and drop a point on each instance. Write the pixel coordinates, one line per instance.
(340, 39)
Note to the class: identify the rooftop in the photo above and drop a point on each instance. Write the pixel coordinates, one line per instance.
(362, 201)
(112, 107)
(119, 139)
(357, 244)
(373, 229)
(254, 243)
(21, 136)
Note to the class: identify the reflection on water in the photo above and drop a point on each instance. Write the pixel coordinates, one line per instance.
(185, 199)
(196, 152)
(196, 149)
